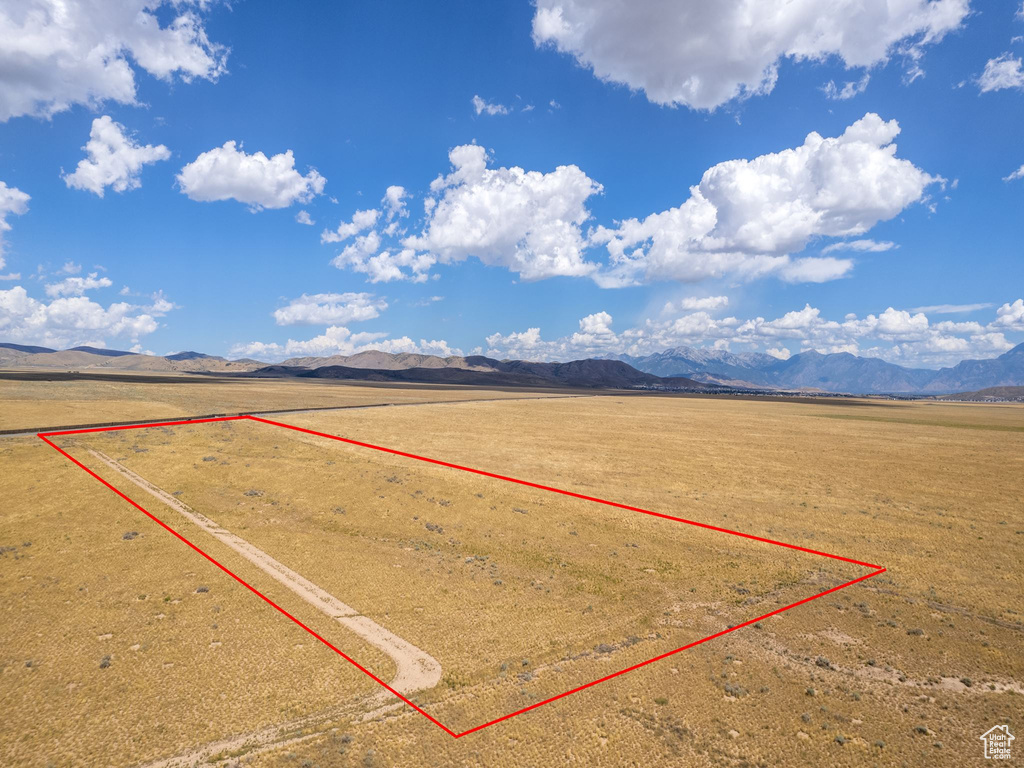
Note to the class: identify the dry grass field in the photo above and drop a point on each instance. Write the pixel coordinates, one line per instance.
(37, 404)
(115, 643)
(495, 579)
(519, 593)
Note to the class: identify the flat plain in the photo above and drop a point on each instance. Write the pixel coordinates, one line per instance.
(518, 593)
(59, 402)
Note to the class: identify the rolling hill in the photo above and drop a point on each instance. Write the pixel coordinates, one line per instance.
(17, 356)
(483, 371)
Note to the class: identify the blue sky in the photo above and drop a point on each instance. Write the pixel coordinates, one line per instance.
(573, 216)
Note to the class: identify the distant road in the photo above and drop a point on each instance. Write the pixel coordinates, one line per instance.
(33, 431)
(135, 378)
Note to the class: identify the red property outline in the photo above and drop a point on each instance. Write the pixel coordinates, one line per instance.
(44, 436)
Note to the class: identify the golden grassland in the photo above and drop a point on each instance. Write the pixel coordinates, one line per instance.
(909, 667)
(40, 404)
(497, 580)
(113, 648)
(852, 479)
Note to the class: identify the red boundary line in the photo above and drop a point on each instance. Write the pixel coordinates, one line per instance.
(44, 436)
(239, 579)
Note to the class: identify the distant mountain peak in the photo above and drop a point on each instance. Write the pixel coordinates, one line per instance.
(1017, 351)
(26, 348)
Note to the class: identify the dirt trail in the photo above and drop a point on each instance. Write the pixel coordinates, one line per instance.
(416, 669)
(278, 736)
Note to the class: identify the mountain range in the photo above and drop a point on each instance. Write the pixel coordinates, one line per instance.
(837, 372)
(92, 358)
(486, 371)
(364, 366)
(677, 368)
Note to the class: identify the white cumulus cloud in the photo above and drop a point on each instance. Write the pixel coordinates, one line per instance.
(76, 286)
(113, 159)
(1010, 316)
(339, 340)
(58, 53)
(597, 324)
(74, 320)
(228, 173)
(527, 221)
(703, 54)
(13, 202)
(387, 265)
(746, 216)
(394, 202)
(361, 220)
(330, 309)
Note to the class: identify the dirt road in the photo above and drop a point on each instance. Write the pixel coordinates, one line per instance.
(416, 669)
